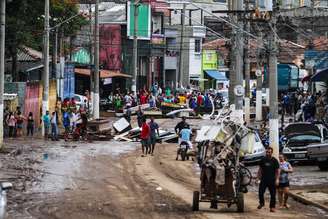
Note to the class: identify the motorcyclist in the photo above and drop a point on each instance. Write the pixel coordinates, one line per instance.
(185, 135)
(180, 125)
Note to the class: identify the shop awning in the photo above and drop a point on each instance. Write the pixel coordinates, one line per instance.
(34, 68)
(321, 75)
(220, 76)
(103, 73)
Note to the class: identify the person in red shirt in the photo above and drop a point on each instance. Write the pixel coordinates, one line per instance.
(145, 135)
(143, 98)
(199, 99)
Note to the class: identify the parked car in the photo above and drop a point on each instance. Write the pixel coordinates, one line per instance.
(258, 152)
(80, 100)
(297, 138)
(319, 153)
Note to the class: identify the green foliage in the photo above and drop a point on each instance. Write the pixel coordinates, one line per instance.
(25, 21)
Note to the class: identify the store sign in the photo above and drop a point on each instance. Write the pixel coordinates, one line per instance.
(158, 39)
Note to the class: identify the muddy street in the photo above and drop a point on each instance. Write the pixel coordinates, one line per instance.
(112, 180)
(92, 181)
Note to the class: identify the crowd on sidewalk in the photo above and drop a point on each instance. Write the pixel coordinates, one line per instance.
(305, 106)
(67, 115)
(155, 96)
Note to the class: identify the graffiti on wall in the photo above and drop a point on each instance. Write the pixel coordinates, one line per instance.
(110, 46)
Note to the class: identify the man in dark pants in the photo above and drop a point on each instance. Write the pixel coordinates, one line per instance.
(268, 174)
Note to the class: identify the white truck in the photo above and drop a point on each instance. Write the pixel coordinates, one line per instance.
(319, 153)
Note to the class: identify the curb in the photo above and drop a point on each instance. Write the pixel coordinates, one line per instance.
(303, 200)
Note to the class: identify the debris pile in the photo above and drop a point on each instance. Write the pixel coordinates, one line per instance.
(126, 133)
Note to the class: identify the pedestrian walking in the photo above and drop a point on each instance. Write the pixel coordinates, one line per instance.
(283, 188)
(46, 124)
(54, 126)
(19, 124)
(66, 124)
(6, 113)
(268, 174)
(140, 116)
(30, 124)
(154, 133)
(144, 135)
(128, 113)
(11, 121)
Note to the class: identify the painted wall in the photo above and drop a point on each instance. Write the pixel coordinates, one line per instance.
(195, 59)
(110, 46)
(32, 94)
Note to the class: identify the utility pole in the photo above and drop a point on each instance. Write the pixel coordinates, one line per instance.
(45, 78)
(181, 57)
(54, 56)
(258, 74)
(273, 84)
(61, 64)
(96, 73)
(238, 52)
(232, 70)
(91, 56)
(2, 65)
(247, 65)
(135, 47)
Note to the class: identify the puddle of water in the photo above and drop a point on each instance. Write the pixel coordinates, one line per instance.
(63, 163)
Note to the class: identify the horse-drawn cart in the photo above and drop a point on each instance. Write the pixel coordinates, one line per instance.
(223, 178)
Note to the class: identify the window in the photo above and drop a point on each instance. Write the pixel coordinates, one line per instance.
(197, 46)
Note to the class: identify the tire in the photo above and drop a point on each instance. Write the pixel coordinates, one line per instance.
(195, 201)
(183, 154)
(240, 202)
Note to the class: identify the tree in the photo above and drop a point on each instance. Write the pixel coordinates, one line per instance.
(25, 24)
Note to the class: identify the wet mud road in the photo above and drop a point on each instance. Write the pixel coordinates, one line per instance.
(96, 180)
(111, 180)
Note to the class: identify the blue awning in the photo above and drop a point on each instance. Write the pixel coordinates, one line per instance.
(220, 76)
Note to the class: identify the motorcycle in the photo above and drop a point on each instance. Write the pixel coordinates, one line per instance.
(183, 151)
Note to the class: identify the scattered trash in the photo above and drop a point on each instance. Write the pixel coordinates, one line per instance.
(160, 204)
(122, 125)
(159, 188)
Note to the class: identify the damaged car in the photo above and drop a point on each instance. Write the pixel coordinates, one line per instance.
(297, 138)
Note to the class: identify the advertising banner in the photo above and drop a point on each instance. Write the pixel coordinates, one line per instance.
(110, 46)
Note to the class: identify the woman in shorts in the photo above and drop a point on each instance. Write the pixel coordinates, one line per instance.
(283, 188)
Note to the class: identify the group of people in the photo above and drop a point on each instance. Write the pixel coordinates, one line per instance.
(71, 120)
(273, 174)
(305, 106)
(149, 134)
(68, 115)
(14, 123)
(156, 96)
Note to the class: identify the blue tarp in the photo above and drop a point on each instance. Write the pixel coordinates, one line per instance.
(220, 76)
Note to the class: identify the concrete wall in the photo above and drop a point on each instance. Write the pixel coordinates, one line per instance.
(195, 60)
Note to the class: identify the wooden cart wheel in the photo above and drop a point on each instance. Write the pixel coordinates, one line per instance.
(240, 202)
(195, 201)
